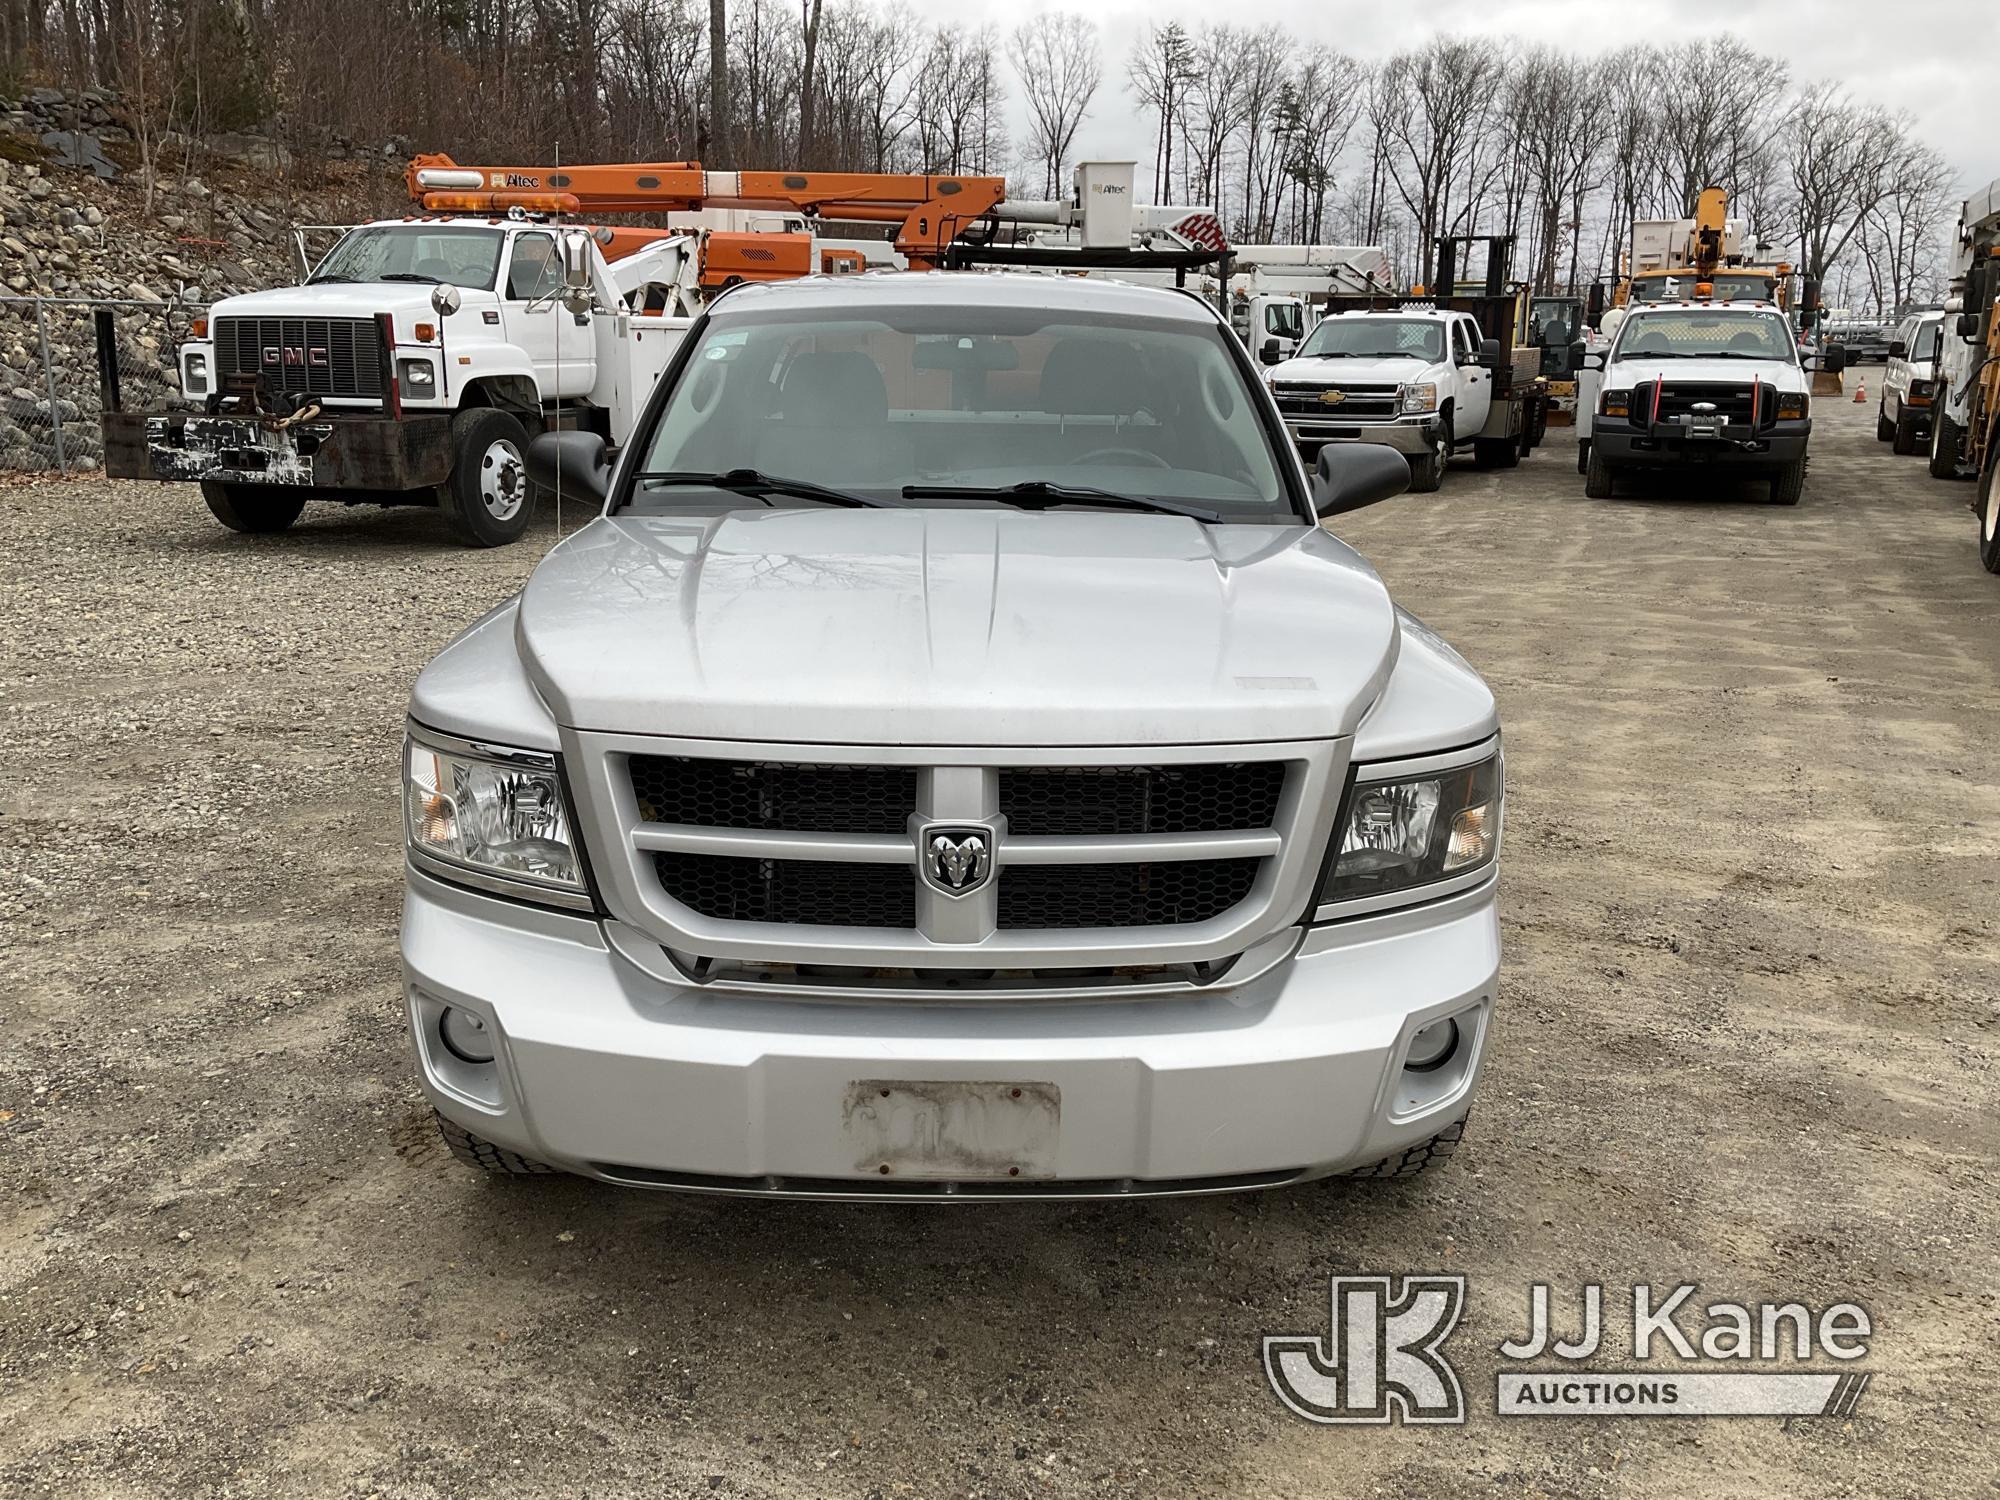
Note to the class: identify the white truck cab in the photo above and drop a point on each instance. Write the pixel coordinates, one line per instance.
(1419, 379)
(412, 366)
(1909, 384)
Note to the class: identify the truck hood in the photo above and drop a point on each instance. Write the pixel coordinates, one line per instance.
(1360, 371)
(409, 301)
(956, 627)
(1631, 371)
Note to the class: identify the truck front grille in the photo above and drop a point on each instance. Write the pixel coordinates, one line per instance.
(1744, 405)
(1091, 860)
(1356, 403)
(316, 356)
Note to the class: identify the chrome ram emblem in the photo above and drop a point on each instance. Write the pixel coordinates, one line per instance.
(956, 860)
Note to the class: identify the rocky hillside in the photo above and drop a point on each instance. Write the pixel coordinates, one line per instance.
(77, 222)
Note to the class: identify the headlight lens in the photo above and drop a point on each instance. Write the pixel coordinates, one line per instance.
(197, 374)
(1615, 404)
(503, 817)
(1408, 832)
(419, 374)
(1793, 405)
(1420, 396)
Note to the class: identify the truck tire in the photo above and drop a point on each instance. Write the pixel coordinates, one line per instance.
(1903, 441)
(1496, 453)
(1789, 483)
(1945, 438)
(252, 508)
(488, 500)
(1598, 482)
(1989, 515)
(1427, 470)
(1420, 1157)
(1884, 428)
(486, 1156)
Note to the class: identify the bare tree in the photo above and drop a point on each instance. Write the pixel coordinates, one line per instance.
(1839, 154)
(1056, 57)
(1712, 103)
(1429, 105)
(716, 142)
(1161, 71)
(809, 18)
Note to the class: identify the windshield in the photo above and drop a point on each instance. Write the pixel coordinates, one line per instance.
(1924, 340)
(1696, 333)
(464, 257)
(1725, 286)
(1555, 321)
(1346, 337)
(872, 400)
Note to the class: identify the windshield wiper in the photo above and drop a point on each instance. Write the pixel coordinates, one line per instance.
(410, 276)
(320, 280)
(756, 484)
(1039, 494)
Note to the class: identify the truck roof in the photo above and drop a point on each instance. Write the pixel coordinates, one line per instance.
(973, 288)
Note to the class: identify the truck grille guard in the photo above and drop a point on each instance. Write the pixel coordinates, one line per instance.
(815, 868)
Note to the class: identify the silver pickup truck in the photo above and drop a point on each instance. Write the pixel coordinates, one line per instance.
(957, 764)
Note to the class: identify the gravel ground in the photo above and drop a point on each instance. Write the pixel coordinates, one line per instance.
(1747, 1038)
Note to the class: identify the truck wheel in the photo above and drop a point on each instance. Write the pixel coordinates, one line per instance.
(1427, 469)
(252, 507)
(1903, 440)
(486, 1156)
(488, 500)
(1418, 1158)
(1884, 428)
(1597, 476)
(1944, 446)
(1989, 516)
(1496, 453)
(1789, 483)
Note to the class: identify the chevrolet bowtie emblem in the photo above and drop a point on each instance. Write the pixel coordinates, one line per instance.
(1332, 398)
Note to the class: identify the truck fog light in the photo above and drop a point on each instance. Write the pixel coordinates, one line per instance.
(1430, 1049)
(466, 1038)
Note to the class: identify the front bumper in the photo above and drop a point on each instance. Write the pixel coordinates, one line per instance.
(334, 450)
(1407, 435)
(1667, 445)
(604, 1068)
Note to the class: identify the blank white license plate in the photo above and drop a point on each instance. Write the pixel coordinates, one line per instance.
(954, 1131)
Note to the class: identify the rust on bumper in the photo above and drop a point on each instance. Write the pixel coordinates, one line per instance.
(329, 452)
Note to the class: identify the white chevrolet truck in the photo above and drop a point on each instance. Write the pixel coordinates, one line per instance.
(1422, 380)
(957, 764)
(411, 368)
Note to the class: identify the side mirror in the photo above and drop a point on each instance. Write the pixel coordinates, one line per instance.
(1489, 353)
(578, 462)
(1270, 354)
(445, 299)
(1576, 357)
(1968, 326)
(1593, 359)
(1898, 349)
(1833, 359)
(577, 295)
(1347, 476)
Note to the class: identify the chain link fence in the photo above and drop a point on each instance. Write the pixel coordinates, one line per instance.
(51, 386)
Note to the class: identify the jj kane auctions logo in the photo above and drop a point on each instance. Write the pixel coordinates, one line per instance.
(1382, 1358)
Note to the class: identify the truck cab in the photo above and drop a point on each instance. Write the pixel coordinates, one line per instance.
(1270, 324)
(1909, 385)
(412, 366)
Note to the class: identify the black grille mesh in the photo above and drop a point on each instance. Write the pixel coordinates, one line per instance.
(1078, 801)
(1148, 895)
(811, 893)
(321, 356)
(776, 796)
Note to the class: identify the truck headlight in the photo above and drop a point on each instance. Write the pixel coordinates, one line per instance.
(1408, 832)
(197, 374)
(500, 813)
(1420, 396)
(419, 375)
(1619, 404)
(1793, 405)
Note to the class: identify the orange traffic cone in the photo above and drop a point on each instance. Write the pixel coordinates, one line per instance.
(1861, 390)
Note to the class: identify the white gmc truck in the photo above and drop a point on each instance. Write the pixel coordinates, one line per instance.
(958, 763)
(411, 368)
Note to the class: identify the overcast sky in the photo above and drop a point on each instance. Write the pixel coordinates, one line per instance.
(1934, 58)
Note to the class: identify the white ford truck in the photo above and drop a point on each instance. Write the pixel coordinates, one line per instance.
(957, 764)
(1422, 380)
(411, 368)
